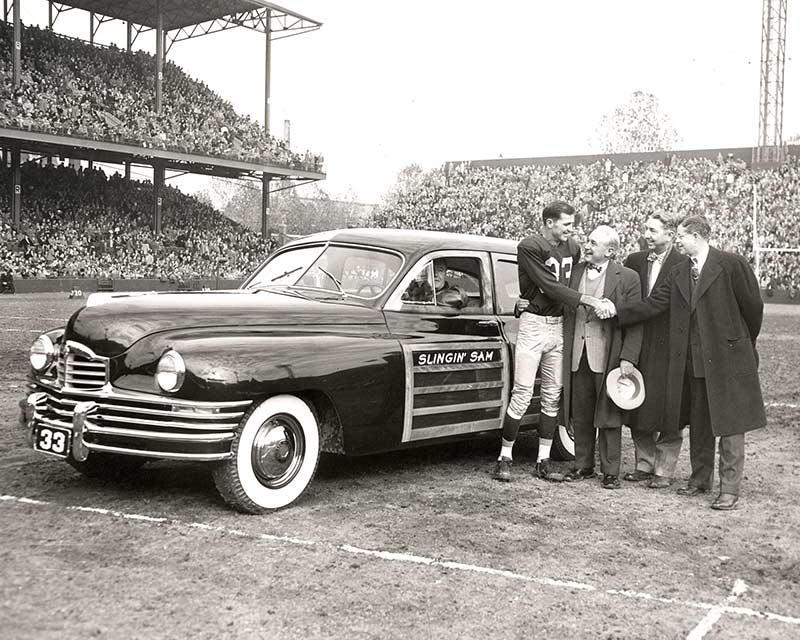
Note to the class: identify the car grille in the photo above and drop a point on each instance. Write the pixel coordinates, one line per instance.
(130, 422)
(79, 368)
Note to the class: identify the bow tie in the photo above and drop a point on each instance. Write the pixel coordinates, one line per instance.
(594, 267)
(654, 257)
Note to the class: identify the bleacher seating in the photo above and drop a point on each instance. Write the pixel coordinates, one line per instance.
(71, 88)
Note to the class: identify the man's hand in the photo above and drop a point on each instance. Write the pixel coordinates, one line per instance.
(521, 305)
(606, 310)
(590, 301)
(626, 369)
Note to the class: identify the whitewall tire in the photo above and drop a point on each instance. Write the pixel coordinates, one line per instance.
(564, 443)
(275, 456)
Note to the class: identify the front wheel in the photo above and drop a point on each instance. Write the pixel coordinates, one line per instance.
(275, 455)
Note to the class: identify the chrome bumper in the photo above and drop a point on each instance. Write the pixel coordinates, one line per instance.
(135, 424)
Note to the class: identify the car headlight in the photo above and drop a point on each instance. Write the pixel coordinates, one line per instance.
(170, 371)
(42, 352)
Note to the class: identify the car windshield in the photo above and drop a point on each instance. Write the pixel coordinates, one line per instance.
(353, 271)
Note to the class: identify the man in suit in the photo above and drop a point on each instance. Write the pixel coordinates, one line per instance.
(592, 348)
(715, 312)
(656, 445)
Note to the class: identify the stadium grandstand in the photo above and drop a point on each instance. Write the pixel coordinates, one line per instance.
(82, 224)
(65, 100)
(496, 198)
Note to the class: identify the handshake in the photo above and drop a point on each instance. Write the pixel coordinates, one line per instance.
(602, 308)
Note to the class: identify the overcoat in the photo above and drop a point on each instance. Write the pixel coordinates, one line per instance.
(621, 286)
(729, 310)
(654, 356)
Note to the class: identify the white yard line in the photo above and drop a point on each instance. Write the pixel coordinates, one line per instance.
(64, 320)
(714, 614)
(715, 611)
(784, 405)
(22, 330)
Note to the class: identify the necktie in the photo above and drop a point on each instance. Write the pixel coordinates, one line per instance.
(594, 267)
(695, 271)
(652, 256)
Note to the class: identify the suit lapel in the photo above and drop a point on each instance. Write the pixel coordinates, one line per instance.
(613, 276)
(577, 274)
(711, 270)
(643, 269)
(684, 281)
(670, 261)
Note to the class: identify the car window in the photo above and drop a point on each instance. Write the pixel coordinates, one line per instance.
(357, 271)
(447, 283)
(506, 280)
(286, 267)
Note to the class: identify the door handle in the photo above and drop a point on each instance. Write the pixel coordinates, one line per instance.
(487, 323)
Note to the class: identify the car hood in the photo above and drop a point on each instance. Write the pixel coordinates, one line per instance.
(110, 324)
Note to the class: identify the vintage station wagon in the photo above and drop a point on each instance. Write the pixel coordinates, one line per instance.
(345, 342)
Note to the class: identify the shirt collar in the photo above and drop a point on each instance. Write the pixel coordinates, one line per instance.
(700, 259)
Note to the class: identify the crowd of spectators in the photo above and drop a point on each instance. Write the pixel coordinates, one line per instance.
(83, 224)
(69, 87)
(498, 201)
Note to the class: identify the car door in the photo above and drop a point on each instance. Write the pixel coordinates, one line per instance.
(457, 363)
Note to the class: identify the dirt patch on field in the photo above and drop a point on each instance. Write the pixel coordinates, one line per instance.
(159, 555)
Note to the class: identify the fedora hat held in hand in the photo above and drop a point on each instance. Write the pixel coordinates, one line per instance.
(627, 393)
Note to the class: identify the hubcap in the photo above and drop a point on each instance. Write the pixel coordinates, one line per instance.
(278, 450)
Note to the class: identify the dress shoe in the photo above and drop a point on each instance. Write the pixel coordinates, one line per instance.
(637, 476)
(579, 474)
(545, 471)
(691, 491)
(725, 502)
(610, 482)
(659, 482)
(502, 470)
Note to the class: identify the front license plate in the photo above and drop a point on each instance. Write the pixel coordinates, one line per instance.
(53, 440)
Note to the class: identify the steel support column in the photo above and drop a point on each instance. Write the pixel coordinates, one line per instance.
(91, 27)
(50, 14)
(159, 57)
(17, 72)
(158, 186)
(264, 177)
(265, 206)
(128, 46)
(267, 63)
(773, 53)
(16, 187)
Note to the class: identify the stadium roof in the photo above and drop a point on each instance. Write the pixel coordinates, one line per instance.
(179, 14)
(115, 153)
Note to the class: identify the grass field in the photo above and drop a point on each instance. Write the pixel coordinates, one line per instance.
(418, 544)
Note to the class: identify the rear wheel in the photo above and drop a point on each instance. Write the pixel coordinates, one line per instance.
(275, 456)
(107, 466)
(564, 443)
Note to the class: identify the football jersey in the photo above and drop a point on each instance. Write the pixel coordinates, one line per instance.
(544, 273)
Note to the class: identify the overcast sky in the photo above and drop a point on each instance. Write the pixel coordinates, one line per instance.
(386, 84)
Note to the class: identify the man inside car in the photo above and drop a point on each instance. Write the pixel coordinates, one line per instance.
(442, 293)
